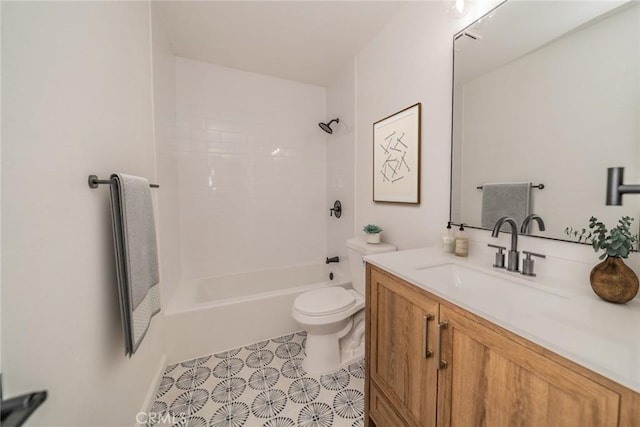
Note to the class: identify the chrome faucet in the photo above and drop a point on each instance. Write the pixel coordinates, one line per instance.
(513, 258)
(524, 229)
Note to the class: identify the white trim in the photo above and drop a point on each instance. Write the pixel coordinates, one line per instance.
(153, 388)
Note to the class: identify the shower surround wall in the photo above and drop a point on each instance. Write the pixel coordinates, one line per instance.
(164, 111)
(251, 167)
(341, 94)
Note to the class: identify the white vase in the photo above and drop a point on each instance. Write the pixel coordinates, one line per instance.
(373, 238)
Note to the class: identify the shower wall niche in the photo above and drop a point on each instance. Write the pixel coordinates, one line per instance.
(250, 163)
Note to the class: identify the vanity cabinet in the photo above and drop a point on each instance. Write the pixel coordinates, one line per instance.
(402, 365)
(484, 376)
(494, 381)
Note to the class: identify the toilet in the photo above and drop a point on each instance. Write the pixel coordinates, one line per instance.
(333, 317)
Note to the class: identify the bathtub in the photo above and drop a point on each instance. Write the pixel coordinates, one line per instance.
(214, 314)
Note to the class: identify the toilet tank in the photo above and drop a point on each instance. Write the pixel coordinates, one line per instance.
(357, 249)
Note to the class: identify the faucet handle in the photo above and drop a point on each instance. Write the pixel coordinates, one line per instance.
(530, 254)
(499, 255)
(500, 248)
(527, 263)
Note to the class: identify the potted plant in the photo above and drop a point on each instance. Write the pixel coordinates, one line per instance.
(612, 280)
(373, 233)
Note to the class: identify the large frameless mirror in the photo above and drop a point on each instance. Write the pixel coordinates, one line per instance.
(547, 93)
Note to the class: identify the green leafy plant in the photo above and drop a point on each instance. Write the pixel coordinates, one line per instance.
(371, 229)
(617, 242)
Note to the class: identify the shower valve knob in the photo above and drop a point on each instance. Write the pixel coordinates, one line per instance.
(336, 209)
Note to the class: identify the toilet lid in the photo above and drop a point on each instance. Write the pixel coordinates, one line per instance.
(324, 301)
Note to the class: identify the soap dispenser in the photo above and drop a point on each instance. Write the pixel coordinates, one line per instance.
(461, 243)
(448, 240)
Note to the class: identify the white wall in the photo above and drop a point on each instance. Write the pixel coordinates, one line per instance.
(164, 109)
(341, 158)
(252, 170)
(76, 100)
(410, 61)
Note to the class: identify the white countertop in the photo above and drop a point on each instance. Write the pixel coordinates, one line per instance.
(598, 335)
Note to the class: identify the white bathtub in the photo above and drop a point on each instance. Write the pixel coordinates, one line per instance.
(214, 314)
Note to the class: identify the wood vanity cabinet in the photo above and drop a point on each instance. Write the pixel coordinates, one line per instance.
(486, 376)
(401, 362)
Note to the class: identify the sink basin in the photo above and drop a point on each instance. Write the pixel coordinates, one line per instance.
(456, 277)
(510, 298)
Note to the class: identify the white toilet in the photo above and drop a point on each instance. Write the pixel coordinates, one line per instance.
(333, 317)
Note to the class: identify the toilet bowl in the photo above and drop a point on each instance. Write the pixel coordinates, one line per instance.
(333, 317)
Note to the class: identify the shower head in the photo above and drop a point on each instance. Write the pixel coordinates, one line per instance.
(327, 126)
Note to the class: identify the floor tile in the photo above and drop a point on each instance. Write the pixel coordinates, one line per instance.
(262, 384)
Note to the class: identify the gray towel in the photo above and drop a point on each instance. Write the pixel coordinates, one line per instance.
(505, 199)
(136, 256)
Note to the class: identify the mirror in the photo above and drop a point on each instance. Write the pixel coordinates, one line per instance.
(547, 93)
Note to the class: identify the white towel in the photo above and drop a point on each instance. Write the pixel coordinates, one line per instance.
(136, 256)
(510, 199)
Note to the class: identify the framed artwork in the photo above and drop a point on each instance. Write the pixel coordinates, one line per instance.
(396, 157)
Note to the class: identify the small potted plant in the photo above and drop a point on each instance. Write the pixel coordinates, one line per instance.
(612, 280)
(373, 233)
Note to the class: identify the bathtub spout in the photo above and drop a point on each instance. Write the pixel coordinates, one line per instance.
(334, 259)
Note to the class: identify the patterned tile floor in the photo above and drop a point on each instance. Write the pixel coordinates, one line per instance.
(262, 384)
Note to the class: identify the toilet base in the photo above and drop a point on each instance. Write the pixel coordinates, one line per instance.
(352, 345)
(322, 351)
(349, 357)
(326, 362)
(329, 352)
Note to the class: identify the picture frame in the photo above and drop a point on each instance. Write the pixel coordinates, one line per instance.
(396, 157)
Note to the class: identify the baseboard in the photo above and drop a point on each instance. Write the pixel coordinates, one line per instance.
(141, 419)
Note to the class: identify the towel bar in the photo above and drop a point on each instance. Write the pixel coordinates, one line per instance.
(540, 186)
(94, 182)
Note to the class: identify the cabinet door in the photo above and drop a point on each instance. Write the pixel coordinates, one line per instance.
(402, 323)
(491, 380)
